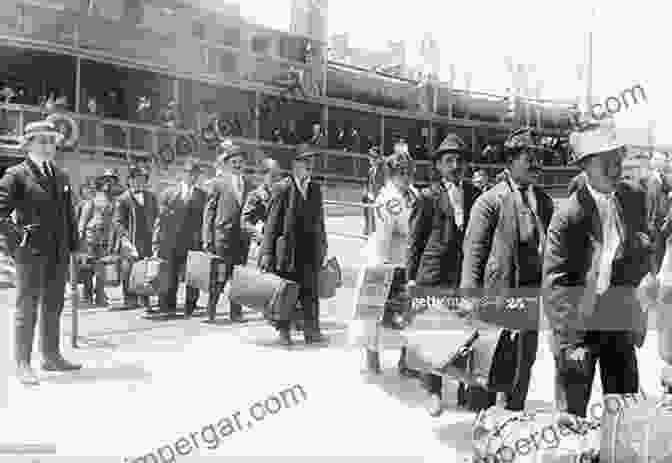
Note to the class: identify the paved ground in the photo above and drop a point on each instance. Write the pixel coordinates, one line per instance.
(148, 383)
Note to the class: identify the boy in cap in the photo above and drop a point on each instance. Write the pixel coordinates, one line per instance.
(597, 253)
(295, 240)
(178, 230)
(40, 195)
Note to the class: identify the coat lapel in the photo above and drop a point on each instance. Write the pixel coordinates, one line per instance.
(591, 213)
(38, 176)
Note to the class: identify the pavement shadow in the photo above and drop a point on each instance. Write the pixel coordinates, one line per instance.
(92, 343)
(123, 372)
(457, 435)
(406, 390)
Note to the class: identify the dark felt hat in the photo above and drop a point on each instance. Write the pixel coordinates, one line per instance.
(451, 144)
(137, 171)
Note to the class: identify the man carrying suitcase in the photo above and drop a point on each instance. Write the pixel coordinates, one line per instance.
(223, 233)
(503, 248)
(135, 213)
(295, 241)
(177, 231)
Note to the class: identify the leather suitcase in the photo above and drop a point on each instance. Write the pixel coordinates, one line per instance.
(148, 277)
(204, 270)
(267, 293)
(329, 279)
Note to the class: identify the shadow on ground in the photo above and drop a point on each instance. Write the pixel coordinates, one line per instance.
(122, 372)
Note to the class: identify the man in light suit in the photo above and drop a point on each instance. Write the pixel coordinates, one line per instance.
(223, 233)
(41, 196)
(177, 231)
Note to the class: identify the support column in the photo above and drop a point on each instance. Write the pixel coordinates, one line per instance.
(257, 124)
(78, 84)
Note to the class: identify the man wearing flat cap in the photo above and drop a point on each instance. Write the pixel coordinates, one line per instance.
(134, 216)
(437, 225)
(178, 230)
(40, 195)
(597, 253)
(503, 249)
(223, 233)
(295, 240)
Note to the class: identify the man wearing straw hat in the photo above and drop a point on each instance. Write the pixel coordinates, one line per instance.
(597, 252)
(40, 194)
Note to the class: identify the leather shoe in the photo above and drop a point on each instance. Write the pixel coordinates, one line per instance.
(373, 362)
(316, 338)
(60, 364)
(434, 407)
(26, 376)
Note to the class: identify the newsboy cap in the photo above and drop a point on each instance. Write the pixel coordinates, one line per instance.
(305, 151)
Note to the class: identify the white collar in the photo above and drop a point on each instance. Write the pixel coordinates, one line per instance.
(40, 162)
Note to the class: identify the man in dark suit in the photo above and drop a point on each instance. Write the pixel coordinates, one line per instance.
(295, 240)
(223, 233)
(40, 195)
(178, 230)
(135, 213)
(437, 225)
(503, 248)
(597, 253)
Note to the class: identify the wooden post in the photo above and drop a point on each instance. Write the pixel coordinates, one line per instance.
(74, 298)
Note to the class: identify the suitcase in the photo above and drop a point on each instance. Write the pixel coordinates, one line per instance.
(108, 268)
(148, 277)
(267, 293)
(204, 270)
(329, 279)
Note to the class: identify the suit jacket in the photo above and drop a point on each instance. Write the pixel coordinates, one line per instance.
(256, 207)
(178, 227)
(129, 214)
(222, 230)
(491, 243)
(435, 242)
(280, 230)
(571, 256)
(46, 204)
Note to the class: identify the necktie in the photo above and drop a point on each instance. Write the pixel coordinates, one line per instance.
(456, 199)
(47, 169)
(616, 217)
(538, 226)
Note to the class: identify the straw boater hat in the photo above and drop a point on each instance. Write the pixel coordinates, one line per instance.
(34, 129)
(595, 139)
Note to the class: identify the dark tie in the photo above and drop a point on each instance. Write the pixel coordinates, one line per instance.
(47, 169)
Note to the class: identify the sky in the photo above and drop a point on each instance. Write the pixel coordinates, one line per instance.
(476, 36)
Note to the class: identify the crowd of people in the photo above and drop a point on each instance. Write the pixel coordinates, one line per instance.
(608, 239)
(462, 233)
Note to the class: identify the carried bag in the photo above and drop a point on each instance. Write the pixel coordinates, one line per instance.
(267, 293)
(204, 270)
(108, 268)
(148, 277)
(636, 429)
(329, 279)
(499, 435)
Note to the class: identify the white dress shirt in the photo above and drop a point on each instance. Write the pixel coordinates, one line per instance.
(606, 206)
(186, 191)
(456, 195)
(139, 198)
(303, 186)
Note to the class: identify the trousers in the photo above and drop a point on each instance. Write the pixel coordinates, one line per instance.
(176, 265)
(40, 287)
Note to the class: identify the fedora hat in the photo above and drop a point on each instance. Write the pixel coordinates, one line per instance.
(305, 151)
(34, 129)
(593, 140)
(137, 171)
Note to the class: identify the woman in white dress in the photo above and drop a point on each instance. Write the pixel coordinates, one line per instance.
(387, 245)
